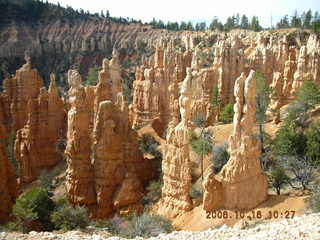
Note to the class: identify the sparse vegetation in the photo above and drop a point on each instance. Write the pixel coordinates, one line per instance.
(308, 94)
(153, 192)
(146, 226)
(195, 193)
(127, 86)
(313, 143)
(33, 206)
(147, 144)
(263, 92)
(220, 156)
(226, 115)
(201, 143)
(10, 152)
(46, 178)
(113, 225)
(297, 143)
(93, 75)
(315, 199)
(302, 170)
(278, 178)
(68, 218)
(215, 98)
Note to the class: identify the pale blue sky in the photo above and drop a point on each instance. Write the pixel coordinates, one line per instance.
(179, 10)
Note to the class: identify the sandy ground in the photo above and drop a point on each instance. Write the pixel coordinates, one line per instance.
(196, 220)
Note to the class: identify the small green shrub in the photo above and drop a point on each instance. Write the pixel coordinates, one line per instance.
(313, 143)
(46, 178)
(199, 120)
(147, 144)
(289, 140)
(309, 94)
(278, 178)
(200, 144)
(10, 152)
(215, 98)
(93, 75)
(315, 199)
(220, 156)
(154, 190)
(68, 218)
(195, 193)
(146, 226)
(35, 205)
(226, 115)
(113, 225)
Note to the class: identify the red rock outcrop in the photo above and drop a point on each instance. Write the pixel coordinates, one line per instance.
(36, 145)
(80, 172)
(233, 186)
(153, 78)
(120, 170)
(108, 173)
(8, 182)
(18, 90)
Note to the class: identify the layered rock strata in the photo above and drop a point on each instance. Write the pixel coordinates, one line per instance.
(36, 144)
(241, 183)
(176, 165)
(106, 171)
(18, 90)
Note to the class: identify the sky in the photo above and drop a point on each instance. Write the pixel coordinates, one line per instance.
(195, 10)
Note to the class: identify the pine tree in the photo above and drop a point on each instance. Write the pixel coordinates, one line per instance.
(244, 22)
(307, 20)
(255, 25)
(296, 20)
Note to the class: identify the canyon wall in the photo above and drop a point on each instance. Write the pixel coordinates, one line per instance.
(172, 90)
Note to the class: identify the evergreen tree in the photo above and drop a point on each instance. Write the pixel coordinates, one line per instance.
(237, 21)
(92, 78)
(183, 26)
(313, 143)
(216, 25)
(308, 94)
(316, 22)
(190, 26)
(296, 20)
(262, 102)
(230, 23)
(203, 26)
(307, 20)
(255, 25)
(244, 22)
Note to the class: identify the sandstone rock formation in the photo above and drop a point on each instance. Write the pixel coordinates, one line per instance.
(116, 161)
(167, 67)
(18, 90)
(106, 171)
(176, 166)
(80, 174)
(241, 183)
(36, 145)
(302, 73)
(8, 182)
